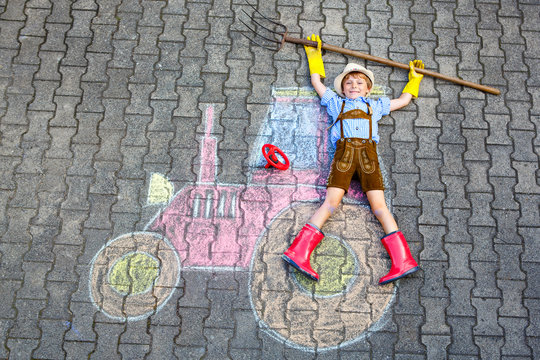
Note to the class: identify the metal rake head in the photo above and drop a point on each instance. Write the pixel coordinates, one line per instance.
(263, 31)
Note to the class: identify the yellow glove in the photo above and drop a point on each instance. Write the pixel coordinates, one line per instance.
(413, 85)
(314, 56)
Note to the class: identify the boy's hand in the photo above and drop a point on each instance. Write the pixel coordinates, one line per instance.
(314, 56)
(413, 85)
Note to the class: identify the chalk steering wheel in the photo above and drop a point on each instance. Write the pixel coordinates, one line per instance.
(269, 153)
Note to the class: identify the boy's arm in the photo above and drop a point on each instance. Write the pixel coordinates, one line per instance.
(400, 102)
(316, 66)
(411, 89)
(317, 84)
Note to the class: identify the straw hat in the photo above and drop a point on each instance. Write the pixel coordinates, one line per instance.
(352, 67)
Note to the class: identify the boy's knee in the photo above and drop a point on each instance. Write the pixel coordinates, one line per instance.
(379, 209)
(331, 209)
(331, 202)
(331, 206)
(379, 212)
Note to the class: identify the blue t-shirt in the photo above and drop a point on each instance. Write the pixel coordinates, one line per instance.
(354, 128)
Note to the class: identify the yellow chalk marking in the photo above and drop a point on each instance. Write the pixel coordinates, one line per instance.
(134, 274)
(378, 90)
(335, 265)
(160, 189)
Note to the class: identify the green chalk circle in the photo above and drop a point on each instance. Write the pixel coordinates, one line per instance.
(336, 265)
(134, 273)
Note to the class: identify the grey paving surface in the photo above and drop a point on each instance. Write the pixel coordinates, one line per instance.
(106, 110)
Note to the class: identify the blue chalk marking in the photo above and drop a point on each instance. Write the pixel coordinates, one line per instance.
(70, 327)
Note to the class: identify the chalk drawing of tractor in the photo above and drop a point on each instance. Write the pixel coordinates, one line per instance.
(213, 226)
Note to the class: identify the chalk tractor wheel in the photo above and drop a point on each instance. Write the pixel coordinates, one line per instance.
(345, 303)
(134, 275)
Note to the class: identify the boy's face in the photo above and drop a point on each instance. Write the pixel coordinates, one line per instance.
(354, 86)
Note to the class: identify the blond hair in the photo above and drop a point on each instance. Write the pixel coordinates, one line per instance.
(356, 74)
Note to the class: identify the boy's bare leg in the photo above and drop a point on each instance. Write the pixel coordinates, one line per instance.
(379, 208)
(330, 204)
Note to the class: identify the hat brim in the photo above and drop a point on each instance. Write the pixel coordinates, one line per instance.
(351, 67)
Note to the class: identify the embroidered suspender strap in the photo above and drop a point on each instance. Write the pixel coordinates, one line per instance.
(340, 117)
(341, 112)
(354, 114)
(359, 114)
(370, 124)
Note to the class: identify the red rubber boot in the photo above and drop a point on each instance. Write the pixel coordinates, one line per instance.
(299, 252)
(402, 261)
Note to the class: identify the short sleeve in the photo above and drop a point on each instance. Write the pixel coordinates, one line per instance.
(383, 103)
(332, 101)
(327, 96)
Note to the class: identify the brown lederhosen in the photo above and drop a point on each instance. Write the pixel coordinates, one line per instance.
(355, 155)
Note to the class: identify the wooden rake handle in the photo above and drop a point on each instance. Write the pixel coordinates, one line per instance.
(392, 63)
